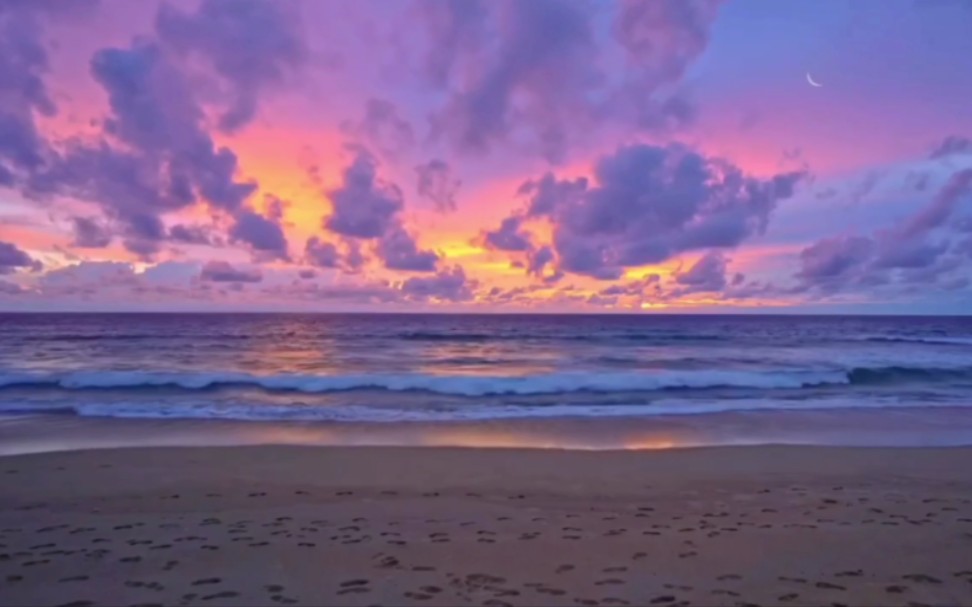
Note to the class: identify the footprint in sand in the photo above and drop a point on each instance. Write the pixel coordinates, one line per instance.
(609, 582)
(226, 594)
(829, 586)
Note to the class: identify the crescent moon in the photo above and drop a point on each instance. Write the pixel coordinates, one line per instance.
(812, 81)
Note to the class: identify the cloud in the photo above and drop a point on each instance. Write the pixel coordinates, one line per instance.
(706, 275)
(155, 156)
(509, 236)
(264, 236)
(536, 71)
(321, 254)
(382, 128)
(539, 259)
(454, 28)
(942, 205)
(436, 183)
(89, 233)
(398, 250)
(647, 204)
(832, 258)
(951, 146)
(193, 234)
(364, 205)
(221, 271)
(13, 258)
(87, 277)
(449, 285)
(252, 45)
(24, 63)
(916, 250)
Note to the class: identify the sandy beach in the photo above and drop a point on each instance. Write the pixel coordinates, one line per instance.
(492, 527)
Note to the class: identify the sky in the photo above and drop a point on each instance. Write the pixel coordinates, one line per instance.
(486, 156)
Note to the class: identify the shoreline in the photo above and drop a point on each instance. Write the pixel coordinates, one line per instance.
(840, 428)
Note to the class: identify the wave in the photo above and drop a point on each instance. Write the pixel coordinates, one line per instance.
(366, 414)
(940, 341)
(552, 336)
(460, 385)
(128, 337)
(476, 385)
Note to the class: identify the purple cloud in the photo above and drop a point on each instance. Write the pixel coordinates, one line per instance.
(449, 285)
(89, 233)
(950, 146)
(192, 234)
(13, 258)
(222, 271)
(264, 236)
(436, 183)
(398, 250)
(942, 205)
(648, 204)
(253, 45)
(454, 28)
(23, 65)
(321, 254)
(831, 260)
(509, 236)
(156, 156)
(706, 275)
(534, 71)
(364, 206)
(382, 128)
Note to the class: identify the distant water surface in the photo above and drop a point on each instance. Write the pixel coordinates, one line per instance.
(469, 368)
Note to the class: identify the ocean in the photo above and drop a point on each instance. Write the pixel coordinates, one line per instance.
(786, 375)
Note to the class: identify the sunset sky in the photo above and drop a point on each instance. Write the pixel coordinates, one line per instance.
(486, 156)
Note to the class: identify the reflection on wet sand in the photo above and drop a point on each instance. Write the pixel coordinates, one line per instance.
(859, 428)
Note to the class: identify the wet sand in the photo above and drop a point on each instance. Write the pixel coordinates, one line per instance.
(441, 526)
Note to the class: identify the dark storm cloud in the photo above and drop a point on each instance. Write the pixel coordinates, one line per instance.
(221, 271)
(89, 233)
(648, 204)
(254, 45)
(13, 258)
(448, 285)
(436, 183)
(263, 235)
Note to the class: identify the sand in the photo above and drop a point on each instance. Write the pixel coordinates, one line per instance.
(438, 526)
